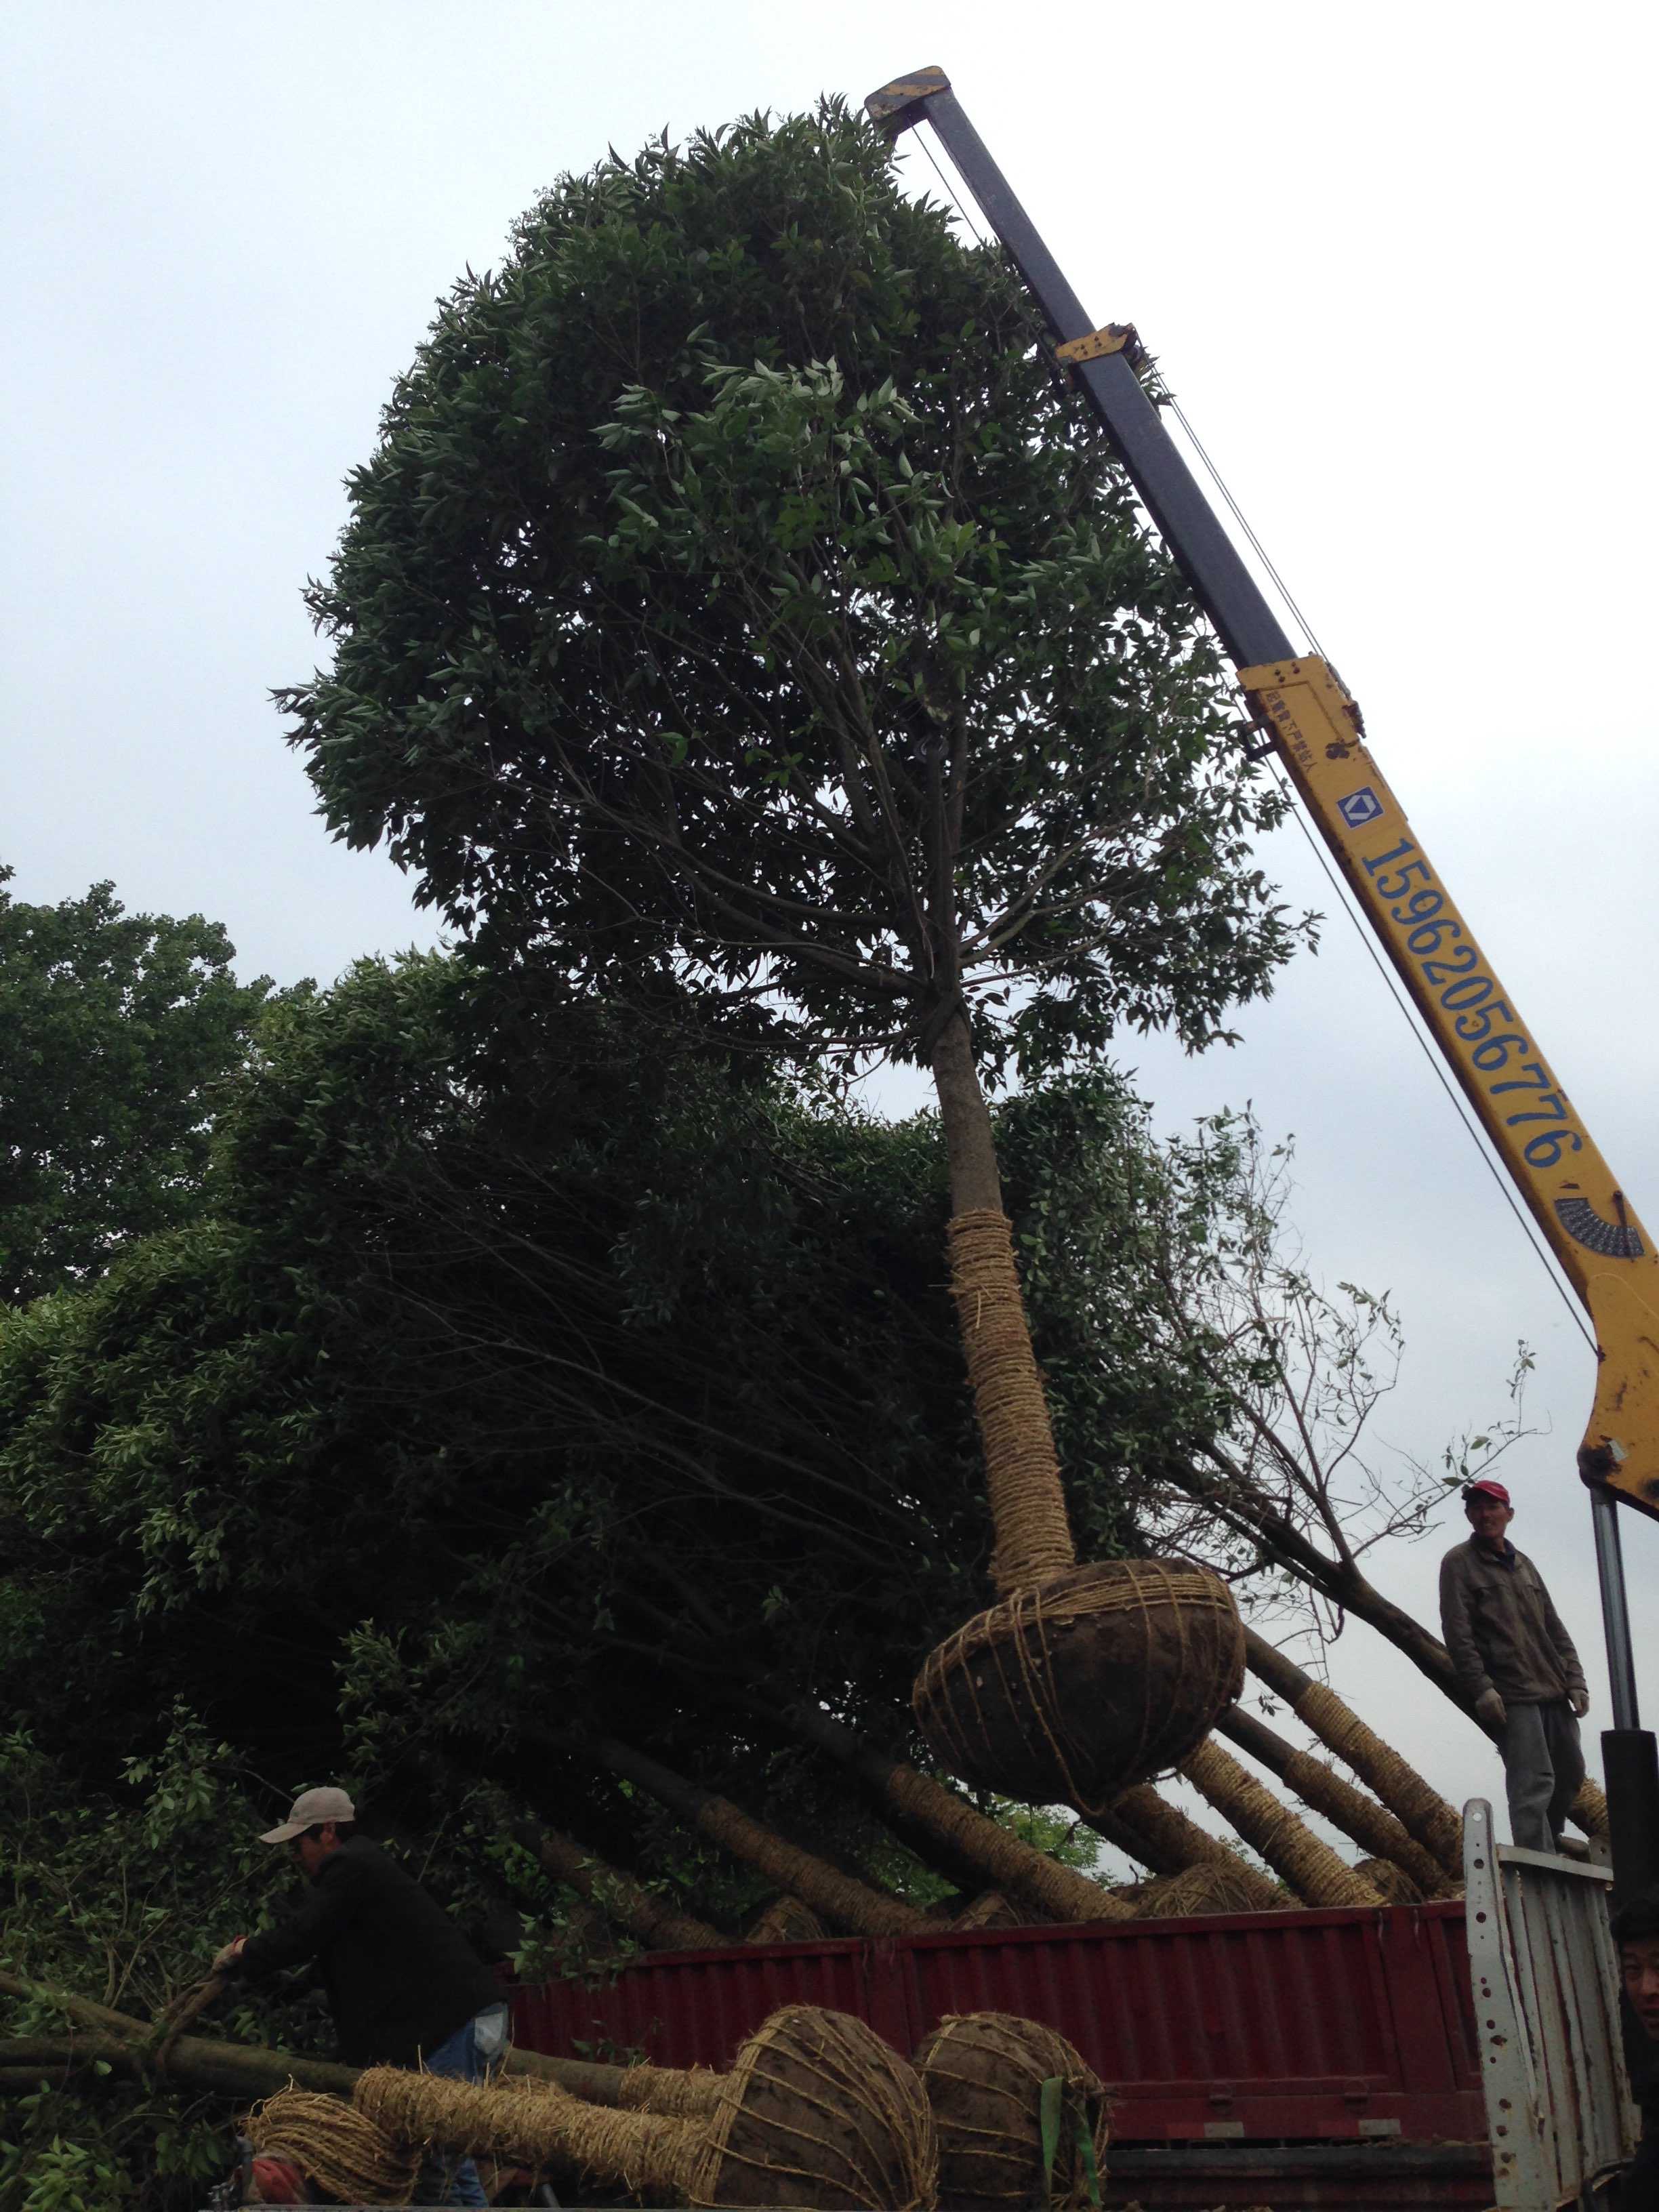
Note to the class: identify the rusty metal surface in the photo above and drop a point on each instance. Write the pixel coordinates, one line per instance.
(1349, 2025)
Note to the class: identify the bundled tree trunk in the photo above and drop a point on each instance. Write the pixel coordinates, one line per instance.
(1161, 1836)
(816, 2110)
(1290, 1848)
(1080, 1680)
(1369, 1823)
(840, 1898)
(658, 1926)
(1005, 1861)
(1419, 1808)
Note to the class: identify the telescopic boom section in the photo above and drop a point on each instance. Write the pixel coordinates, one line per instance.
(1316, 728)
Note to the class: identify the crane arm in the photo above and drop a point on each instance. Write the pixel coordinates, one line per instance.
(1316, 728)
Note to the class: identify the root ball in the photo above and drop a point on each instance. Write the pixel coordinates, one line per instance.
(984, 2073)
(1097, 1678)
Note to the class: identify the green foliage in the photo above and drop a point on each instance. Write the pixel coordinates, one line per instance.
(117, 1028)
(118, 1896)
(738, 602)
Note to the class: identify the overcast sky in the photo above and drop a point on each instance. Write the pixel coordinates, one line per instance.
(1395, 263)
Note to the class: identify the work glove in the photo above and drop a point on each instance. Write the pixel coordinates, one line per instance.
(225, 1961)
(1489, 1710)
(1579, 1700)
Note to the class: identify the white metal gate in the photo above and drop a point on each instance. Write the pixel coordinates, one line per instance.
(1558, 2108)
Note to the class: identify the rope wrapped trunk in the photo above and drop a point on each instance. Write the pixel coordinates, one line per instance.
(1005, 1861)
(1419, 1808)
(840, 1898)
(1310, 1866)
(1369, 1823)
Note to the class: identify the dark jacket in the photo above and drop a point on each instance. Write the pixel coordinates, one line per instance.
(401, 1977)
(1501, 1628)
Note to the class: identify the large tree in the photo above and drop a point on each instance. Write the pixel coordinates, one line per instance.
(117, 1028)
(740, 608)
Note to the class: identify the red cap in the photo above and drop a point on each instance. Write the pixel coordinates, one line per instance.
(1487, 1488)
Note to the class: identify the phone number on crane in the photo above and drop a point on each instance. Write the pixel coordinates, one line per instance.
(1454, 978)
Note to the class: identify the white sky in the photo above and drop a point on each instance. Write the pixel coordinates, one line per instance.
(1395, 263)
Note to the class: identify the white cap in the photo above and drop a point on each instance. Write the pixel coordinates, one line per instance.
(309, 1810)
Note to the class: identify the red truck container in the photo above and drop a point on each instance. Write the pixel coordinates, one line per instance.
(1331, 2052)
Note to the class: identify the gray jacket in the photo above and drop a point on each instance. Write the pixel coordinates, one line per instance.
(1501, 1628)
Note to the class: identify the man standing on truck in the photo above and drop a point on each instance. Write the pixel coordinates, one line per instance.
(1518, 1665)
(404, 1986)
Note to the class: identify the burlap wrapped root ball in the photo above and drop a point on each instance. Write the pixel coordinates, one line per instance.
(984, 2073)
(1098, 1678)
(816, 2110)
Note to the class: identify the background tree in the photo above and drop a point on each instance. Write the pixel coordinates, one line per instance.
(117, 1027)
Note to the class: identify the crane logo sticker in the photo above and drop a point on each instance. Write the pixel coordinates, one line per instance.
(1360, 807)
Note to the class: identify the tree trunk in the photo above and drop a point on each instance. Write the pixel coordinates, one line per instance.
(840, 1898)
(1021, 1473)
(1003, 1861)
(632, 1906)
(1161, 1837)
(1369, 1825)
(1420, 1808)
(1290, 1848)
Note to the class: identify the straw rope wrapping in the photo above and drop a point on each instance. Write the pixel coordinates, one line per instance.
(1412, 1801)
(1208, 1888)
(343, 2152)
(1589, 1809)
(537, 2126)
(1368, 1823)
(787, 1920)
(818, 2111)
(690, 2093)
(1290, 1846)
(1021, 1473)
(1101, 1676)
(1058, 1892)
(1392, 1883)
(984, 2073)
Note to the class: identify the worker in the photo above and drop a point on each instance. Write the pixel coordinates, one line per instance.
(404, 1986)
(1635, 1931)
(1516, 1662)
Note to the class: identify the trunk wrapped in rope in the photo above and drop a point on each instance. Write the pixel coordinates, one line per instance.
(985, 2073)
(840, 1898)
(659, 1927)
(991, 1909)
(530, 2124)
(1589, 1810)
(1369, 1825)
(786, 1920)
(1104, 1674)
(1050, 1694)
(1392, 1883)
(1209, 1889)
(816, 2110)
(1005, 1861)
(1021, 1473)
(1414, 1802)
(1162, 1837)
(1290, 1848)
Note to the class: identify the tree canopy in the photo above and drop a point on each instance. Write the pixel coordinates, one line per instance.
(117, 1028)
(739, 597)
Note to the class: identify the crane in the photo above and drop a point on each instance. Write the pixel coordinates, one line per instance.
(1306, 716)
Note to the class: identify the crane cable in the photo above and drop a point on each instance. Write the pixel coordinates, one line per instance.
(1338, 888)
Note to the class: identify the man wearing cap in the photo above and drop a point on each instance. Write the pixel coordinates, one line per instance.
(404, 1986)
(1518, 1665)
